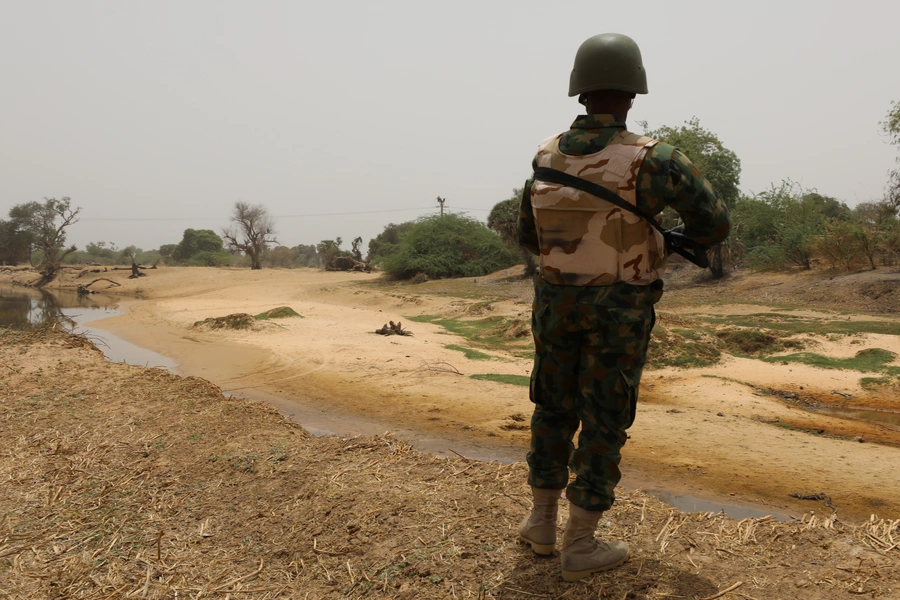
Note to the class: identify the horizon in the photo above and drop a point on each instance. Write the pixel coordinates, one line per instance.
(341, 119)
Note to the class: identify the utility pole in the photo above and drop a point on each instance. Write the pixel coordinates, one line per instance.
(441, 202)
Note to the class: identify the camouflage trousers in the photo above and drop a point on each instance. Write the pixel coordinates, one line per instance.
(591, 345)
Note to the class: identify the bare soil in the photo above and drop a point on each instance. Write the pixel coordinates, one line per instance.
(742, 430)
(128, 482)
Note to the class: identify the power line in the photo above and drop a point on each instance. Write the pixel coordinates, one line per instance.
(340, 214)
(361, 212)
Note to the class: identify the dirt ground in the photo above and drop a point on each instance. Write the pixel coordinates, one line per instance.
(738, 431)
(121, 481)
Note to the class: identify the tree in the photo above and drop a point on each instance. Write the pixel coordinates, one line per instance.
(166, 250)
(306, 255)
(99, 251)
(799, 218)
(281, 257)
(891, 126)
(828, 207)
(194, 241)
(46, 224)
(15, 243)
(503, 220)
(787, 225)
(356, 243)
(328, 250)
(253, 233)
(720, 166)
(839, 244)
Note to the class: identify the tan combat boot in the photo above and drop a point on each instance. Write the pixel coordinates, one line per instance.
(539, 528)
(582, 555)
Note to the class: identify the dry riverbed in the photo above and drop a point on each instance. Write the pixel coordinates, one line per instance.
(745, 426)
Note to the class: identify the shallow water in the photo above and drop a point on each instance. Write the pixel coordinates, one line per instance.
(28, 306)
(326, 422)
(883, 417)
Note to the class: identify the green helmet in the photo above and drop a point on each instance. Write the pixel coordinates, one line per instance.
(609, 61)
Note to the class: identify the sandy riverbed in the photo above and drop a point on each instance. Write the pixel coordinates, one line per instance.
(698, 431)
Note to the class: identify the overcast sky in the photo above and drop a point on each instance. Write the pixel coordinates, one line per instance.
(156, 116)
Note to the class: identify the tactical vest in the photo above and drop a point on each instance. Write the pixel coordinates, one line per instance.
(586, 240)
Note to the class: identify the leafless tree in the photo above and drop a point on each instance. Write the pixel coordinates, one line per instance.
(252, 233)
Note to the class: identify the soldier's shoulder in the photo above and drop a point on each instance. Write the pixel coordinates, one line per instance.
(548, 140)
(662, 152)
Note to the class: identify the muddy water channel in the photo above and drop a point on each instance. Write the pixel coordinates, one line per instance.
(32, 307)
(882, 417)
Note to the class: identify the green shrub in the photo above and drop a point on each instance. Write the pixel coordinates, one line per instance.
(386, 243)
(766, 258)
(448, 246)
(195, 241)
(205, 258)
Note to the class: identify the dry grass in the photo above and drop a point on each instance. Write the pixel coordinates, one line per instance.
(123, 482)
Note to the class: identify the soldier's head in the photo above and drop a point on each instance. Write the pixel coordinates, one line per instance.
(608, 72)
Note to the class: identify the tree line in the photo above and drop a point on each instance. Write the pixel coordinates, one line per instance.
(780, 227)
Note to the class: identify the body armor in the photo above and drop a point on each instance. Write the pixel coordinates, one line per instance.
(585, 240)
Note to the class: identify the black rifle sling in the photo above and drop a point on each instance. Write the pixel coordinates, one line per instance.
(675, 242)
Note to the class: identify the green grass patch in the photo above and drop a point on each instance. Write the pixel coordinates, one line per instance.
(503, 378)
(794, 324)
(867, 361)
(871, 383)
(671, 349)
(470, 353)
(755, 342)
(500, 333)
(234, 321)
(282, 312)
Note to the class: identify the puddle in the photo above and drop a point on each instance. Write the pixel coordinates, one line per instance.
(692, 504)
(882, 417)
(329, 422)
(114, 348)
(28, 306)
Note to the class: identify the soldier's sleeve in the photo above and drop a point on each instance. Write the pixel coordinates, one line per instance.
(669, 178)
(525, 227)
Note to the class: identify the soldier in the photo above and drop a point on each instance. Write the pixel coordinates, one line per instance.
(599, 278)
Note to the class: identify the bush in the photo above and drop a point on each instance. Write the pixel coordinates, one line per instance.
(195, 241)
(205, 258)
(448, 246)
(79, 257)
(387, 242)
(766, 258)
(503, 220)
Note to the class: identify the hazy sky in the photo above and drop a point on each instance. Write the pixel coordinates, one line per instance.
(157, 116)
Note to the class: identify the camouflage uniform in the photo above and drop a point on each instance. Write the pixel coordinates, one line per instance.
(592, 317)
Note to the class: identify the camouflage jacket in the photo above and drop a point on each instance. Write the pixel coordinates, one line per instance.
(665, 178)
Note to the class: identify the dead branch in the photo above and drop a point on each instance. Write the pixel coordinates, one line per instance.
(439, 366)
(83, 289)
(817, 496)
(393, 329)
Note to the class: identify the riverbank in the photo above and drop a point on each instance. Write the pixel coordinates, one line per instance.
(735, 441)
(123, 481)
